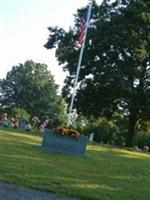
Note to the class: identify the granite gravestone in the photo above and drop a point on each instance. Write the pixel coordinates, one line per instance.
(53, 141)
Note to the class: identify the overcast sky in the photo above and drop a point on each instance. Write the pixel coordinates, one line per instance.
(23, 31)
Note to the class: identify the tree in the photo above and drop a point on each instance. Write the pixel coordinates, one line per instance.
(113, 76)
(31, 86)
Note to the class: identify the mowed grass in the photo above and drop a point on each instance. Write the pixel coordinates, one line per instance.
(104, 174)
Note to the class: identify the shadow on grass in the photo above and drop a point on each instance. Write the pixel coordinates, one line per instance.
(120, 152)
(106, 173)
(21, 131)
(73, 177)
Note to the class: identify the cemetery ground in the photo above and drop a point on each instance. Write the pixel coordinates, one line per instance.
(106, 173)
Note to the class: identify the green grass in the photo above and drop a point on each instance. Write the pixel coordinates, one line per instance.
(104, 174)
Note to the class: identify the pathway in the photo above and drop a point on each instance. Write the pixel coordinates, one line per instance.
(12, 192)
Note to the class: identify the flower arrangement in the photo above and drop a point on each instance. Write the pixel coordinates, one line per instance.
(67, 131)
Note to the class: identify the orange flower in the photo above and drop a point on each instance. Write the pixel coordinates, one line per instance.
(67, 131)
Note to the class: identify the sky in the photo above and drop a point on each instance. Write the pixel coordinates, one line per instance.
(23, 31)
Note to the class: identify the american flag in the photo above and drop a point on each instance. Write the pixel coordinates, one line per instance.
(82, 29)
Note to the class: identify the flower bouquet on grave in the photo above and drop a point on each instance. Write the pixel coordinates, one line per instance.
(67, 131)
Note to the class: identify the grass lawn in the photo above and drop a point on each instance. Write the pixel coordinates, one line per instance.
(104, 174)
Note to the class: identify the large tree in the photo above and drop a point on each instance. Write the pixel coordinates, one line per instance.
(113, 76)
(32, 87)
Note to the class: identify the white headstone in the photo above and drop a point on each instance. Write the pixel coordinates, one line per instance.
(91, 137)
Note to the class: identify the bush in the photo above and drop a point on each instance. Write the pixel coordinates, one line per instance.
(20, 112)
(105, 131)
(142, 138)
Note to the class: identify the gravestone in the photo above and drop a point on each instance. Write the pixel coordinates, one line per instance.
(22, 122)
(91, 137)
(1, 123)
(5, 123)
(53, 141)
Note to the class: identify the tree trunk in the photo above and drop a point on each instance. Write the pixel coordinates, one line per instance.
(133, 116)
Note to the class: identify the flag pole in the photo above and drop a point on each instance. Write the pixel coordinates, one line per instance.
(79, 65)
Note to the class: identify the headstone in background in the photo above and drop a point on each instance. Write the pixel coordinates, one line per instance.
(91, 137)
(22, 122)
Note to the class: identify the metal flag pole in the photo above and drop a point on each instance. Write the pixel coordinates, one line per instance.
(79, 65)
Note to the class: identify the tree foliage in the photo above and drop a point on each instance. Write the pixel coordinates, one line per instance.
(114, 72)
(31, 86)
